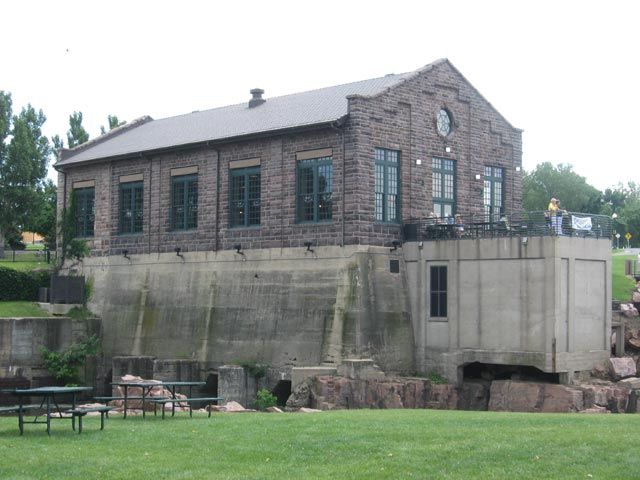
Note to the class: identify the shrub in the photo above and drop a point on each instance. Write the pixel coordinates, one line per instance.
(17, 285)
(265, 399)
(64, 365)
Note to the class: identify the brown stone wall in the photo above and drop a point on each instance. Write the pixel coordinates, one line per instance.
(402, 118)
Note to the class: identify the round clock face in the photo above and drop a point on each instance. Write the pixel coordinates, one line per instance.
(443, 123)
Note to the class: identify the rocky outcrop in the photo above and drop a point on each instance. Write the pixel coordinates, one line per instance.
(516, 396)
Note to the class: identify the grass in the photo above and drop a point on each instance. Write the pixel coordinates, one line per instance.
(622, 285)
(342, 444)
(25, 263)
(21, 309)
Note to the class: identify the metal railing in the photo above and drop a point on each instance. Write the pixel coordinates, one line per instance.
(520, 224)
(36, 256)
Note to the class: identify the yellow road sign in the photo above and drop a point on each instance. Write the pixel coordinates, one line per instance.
(627, 236)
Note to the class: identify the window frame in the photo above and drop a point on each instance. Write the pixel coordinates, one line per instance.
(315, 165)
(130, 189)
(438, 309)
(381, 208)
(85, 220)
(187, 181)
(244, 173)
(443, 201)
(491, 179)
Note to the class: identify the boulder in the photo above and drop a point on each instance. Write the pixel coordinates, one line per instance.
(595, 409)
(300, 397)
(635, 298)
(515, 396)
(623, 367)
(474, 395)
(309, 410)
(614, 397)
(274, 410)
(628, 310)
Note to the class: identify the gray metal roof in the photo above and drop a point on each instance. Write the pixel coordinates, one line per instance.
(289, 111)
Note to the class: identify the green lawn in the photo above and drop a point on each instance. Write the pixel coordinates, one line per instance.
(29, 262)
(21, 309)
(334, 445)
(622, 285)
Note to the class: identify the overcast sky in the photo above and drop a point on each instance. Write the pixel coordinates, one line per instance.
(566, 72)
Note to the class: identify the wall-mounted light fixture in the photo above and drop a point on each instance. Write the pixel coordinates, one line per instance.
(177, 250)
(447, 149)
(478, 176)
(518, 169)
(395, 244)
(308, 245)
(125, 254)
(238, 248)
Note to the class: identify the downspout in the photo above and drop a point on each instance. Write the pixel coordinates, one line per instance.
(410, 170)
(149, 205)
(282, 191)
(338, 125)
(217, 222)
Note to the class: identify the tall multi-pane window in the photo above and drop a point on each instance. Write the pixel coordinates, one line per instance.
(315, 187)
(244, 205)
(184, 202)
(493, 192)
(444, 187)
(387, 183)
(131, 204)
(438, 291)
(85, 211)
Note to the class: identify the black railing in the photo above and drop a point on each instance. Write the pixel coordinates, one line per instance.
(520, 224)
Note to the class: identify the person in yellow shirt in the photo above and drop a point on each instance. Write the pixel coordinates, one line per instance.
(555, 215)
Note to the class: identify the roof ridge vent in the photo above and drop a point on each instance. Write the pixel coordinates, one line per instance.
(256, 98)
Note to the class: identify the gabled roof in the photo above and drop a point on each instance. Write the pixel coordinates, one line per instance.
(315, 107)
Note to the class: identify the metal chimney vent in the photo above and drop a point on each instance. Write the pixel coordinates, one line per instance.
(256, 98)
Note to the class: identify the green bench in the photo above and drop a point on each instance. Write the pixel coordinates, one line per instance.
(16, 408)
(162, 401)
(80, 412)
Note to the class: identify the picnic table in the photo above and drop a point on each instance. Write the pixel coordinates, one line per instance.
(146, 387)
(49, 407)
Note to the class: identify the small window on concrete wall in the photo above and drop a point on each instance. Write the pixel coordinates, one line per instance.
(438, 291)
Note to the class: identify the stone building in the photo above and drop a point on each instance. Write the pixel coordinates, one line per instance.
(269, 231)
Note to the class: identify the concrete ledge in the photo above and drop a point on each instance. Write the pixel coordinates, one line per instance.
(58, 308)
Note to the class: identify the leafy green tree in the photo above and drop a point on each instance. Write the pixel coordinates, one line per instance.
(76, 135)
(547, 181)
(624, 202)
(43, 219)
(23, 164)
(113, 123)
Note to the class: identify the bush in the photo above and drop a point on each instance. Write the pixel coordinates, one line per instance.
(265, 399)
(17, 285)
(64, 365)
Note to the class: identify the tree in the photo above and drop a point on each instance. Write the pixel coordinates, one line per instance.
(23, 164)
(113, 123)
(561, 182)
(624, 202)
(43, 219)
(76, 135)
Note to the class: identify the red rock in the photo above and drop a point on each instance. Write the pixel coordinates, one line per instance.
(623, 367)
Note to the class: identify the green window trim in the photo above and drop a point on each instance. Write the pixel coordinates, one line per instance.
(443, 187)
(131, 207)
(85, 211)
(244, 197)
(493, 192)
(184, 202)
(438, 291)
(387, 185)
(314, 190)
